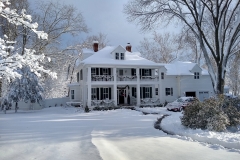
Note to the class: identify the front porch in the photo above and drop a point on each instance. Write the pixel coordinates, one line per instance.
(128, 95)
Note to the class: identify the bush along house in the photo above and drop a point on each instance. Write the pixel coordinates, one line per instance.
(116, 75)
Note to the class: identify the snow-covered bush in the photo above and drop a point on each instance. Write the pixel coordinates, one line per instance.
(212, 114)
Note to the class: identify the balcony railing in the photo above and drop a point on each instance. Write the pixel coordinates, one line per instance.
(126, 78)
(149, 78)
(123, 78)
(102, 78)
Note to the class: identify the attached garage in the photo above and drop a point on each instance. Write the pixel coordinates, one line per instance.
(203, 95)
(190, 94)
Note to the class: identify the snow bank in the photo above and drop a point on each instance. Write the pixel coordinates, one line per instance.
(226, 139)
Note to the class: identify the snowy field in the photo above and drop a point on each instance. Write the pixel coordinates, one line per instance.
(70, 134)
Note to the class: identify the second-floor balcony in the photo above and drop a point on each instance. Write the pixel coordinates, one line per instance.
(123, 78)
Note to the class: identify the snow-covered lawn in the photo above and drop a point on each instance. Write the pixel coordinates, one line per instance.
(64, 134)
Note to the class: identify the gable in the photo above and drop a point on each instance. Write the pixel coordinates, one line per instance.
(119, 49)
(196, 68)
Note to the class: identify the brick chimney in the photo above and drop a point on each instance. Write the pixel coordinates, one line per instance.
(95, 46)
(129, 47)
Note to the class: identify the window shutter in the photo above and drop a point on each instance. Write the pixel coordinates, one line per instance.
(109, 71)
(171, 91)
(101, 93)
(150, 72)
(143, 92)
(150, 92)
(133, 91)
(132, 71)
(78, 77)
(101, 72)
(97, 93)
(140, 71)
(81, 75)
(140, 92)
(97, 71)
(110, 93)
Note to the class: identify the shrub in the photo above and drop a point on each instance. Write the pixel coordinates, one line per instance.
(87, 109)
(214, 114)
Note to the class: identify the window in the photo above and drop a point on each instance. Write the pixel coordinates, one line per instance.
(78, 77)
(162, 75)
(105, 71)
(169, 91)
(134, 92)
(72, 94)
(94, 93)
(156, 91)
(93, 71)
(122, 56)
(105, 93)
(147, 92)
(196, 75)
(117, 56)
(146, 72)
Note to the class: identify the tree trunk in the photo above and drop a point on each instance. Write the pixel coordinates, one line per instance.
(16, 107)
(220, 77)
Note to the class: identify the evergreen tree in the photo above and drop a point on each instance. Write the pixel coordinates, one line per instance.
(27, 88)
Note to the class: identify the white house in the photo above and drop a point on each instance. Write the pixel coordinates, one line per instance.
(125, 77)
(187, 79)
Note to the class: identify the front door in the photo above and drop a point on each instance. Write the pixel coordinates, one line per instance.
(121, 96)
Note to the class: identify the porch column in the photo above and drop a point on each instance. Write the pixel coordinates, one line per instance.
(138, 87)
(89, 84)
(115, 86)
(160, 85)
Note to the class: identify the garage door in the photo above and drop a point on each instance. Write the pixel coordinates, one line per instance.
(203, 95)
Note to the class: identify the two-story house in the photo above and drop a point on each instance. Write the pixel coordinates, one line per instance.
(121, 75)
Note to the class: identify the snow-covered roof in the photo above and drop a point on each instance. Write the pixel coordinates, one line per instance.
(183, 68)
(104, 57)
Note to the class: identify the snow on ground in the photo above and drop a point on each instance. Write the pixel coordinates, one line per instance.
(67, 134)
(173, 125)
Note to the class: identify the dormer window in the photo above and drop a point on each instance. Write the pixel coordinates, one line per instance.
(196, 75)
(122, 56)
(117, 56)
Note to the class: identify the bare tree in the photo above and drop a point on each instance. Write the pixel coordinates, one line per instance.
(161, 48)
(215, 24)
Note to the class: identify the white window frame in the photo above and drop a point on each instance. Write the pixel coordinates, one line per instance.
(104, 71)
(72, 94)
(147, 92)
(94, 93)
(135, 92)
(196, 75)
(162, 75)
(105, 93)
(169, 91)
(93, 71)
(116, 55)
(146, 72)
(122, 56)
